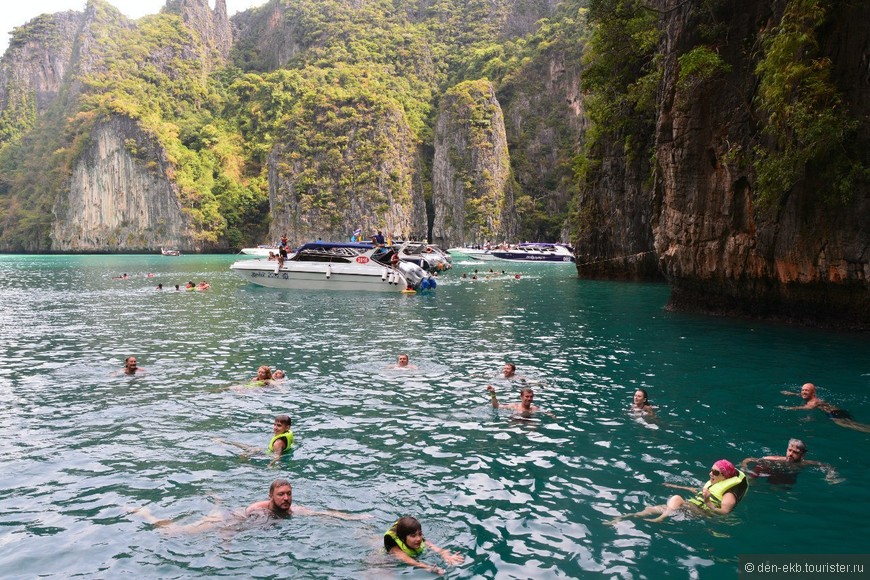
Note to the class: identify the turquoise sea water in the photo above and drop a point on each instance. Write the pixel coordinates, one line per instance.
(80, 446)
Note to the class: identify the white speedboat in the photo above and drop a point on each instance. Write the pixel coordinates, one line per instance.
(337, 266)
(169, 252)
(473, 253)
(260, 251)
(536, 252)
(427, 256)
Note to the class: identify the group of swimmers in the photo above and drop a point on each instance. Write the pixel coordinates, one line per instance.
(727, 484)
(203, 285)
(720, 494)
(491, 274)
(403, 540)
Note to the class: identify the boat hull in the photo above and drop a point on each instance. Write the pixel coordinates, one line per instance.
(313, 276)
(538, 258)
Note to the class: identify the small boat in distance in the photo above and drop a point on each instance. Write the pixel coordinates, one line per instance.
(337, 266)
(260, 251)
(170, 252)
(477, 253)
(536, 252)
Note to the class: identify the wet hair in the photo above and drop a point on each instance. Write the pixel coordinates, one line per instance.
(268, 371)
(512, 366)
(406, 526)
(645, 396)
(126, 360)
(525, 389)
(278, 483)
(802, 447)
(283, 419)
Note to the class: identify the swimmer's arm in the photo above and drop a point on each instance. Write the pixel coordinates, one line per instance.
(790, 393)
(248, 449)
(492, 397)
(549, 414)
(831, 475)
(304, 511)
(745, 463)
(397, 553)
(683, 487)
(728, 503)
(448, 557)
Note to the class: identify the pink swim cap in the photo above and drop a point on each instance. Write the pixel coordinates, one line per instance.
(726, 468)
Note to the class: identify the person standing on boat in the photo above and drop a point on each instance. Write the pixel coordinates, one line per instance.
(378, 239)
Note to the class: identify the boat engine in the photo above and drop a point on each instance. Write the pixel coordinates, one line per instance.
(417, 277)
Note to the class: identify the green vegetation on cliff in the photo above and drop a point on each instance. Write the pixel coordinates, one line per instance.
(812, 132)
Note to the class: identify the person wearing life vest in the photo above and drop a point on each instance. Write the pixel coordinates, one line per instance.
(404, 541)
(283, 438)
(722, 492)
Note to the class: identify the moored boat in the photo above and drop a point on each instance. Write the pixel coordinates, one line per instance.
(536, 252)
(473, 253)
(169, 252)
(427, 256)
(260, 251)
(337, 266)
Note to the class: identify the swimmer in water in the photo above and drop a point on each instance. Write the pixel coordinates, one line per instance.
(812, 401)
(403, 362)
(524, 408)
(640, 403)
(281, 441)
(720, 495)
(783, 469)
(404, 541)
(131, 367)
(279, 505)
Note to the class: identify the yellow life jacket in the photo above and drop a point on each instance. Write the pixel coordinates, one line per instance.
(719, 489)
(287, 436)
(403, 546)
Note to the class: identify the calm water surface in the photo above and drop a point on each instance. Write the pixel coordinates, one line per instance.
(82, 446)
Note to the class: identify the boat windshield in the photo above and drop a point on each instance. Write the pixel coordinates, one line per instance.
(327, 252)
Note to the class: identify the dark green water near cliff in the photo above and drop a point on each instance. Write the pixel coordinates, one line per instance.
(80, 445)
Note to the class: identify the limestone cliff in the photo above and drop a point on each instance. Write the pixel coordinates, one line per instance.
(805, 256)
(472, 183)
(213, 26)
(36, 64)
(265, 38)
(365, 175)
(120, 196)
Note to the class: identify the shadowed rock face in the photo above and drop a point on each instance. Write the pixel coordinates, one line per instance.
(806, 259)
(119, 196)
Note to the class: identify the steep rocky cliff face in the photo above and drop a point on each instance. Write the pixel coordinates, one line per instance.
(265, 38)
(35, 65)
(806, 257)
(213, 26)
(472, 183)
(365, 178)
(120, 196)
(545, 124)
